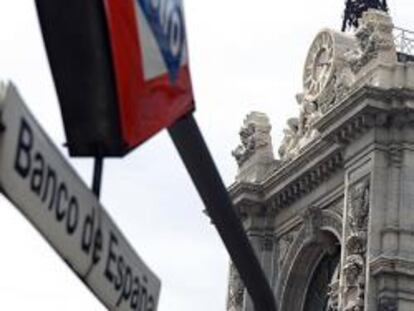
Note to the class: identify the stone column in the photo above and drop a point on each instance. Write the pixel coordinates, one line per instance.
(255, 159)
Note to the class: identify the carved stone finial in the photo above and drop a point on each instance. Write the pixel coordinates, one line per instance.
(255, 153)
(254, 135)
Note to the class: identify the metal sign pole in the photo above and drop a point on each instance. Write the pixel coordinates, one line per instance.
(97, 175)
(194, 152)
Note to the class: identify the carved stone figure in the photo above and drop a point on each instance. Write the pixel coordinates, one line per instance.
(254, 155)
(299, 131)
(344, 79)
(353, 269)
(254, 136)
(359, 207)
(374, 37)
(309, 112)
(248, 144)
(356, 245)
(291, 137)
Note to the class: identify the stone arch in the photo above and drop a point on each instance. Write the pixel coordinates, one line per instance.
(303, 258)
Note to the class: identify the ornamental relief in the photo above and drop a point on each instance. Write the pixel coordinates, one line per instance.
(284, 245)
(356, 245)
(336, 65)
(290, 245)
(235, 291)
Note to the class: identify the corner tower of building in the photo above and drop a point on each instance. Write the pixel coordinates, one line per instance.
(331, 219)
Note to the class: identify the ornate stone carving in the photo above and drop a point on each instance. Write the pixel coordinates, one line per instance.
(287, 149)
(374, 37)
(335, 62)
(344, 78)
(236, 290)
(359, 207)
(254, 135)
(330, 222)
(356, 243)
(285, 243)
(300, 131)
(248, 144)
(356, 246)
(333, 301)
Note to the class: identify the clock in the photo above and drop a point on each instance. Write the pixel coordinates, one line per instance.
(319, 66)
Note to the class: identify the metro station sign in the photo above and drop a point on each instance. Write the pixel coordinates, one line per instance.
(121, 70)
(40, 182)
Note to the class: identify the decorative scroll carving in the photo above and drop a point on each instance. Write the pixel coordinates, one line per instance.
(254, 136)
(236, 290)
(356, 241)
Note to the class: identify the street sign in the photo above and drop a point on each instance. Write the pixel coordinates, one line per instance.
(120, 68)
(46, 189)
(149, 47)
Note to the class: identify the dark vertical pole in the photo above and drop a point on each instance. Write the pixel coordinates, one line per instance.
(97, 175)
(384, 5)
(200, 165)
(345, 17)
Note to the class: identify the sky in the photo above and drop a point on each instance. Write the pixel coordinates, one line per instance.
(245, 56)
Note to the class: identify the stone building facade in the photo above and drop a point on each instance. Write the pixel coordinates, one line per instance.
(332, 219)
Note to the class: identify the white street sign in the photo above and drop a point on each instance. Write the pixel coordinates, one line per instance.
(41, 183)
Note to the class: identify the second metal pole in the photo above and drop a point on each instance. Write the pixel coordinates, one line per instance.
(194, 152)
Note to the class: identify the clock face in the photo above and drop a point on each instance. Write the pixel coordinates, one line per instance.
(319, 65)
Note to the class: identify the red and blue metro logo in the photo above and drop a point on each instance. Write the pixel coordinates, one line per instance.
(165, 19)
(149, 50)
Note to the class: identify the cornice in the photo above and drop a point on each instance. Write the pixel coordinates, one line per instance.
(368, 106)
(391, 265)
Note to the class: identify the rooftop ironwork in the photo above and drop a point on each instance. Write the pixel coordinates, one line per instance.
(404, 41)
(355, 8)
